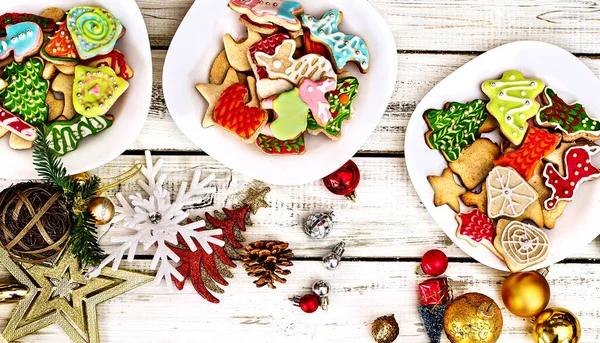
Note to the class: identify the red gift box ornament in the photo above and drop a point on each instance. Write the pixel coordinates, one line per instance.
(434, 291)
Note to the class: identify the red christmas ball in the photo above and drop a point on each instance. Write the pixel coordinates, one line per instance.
(344, 180)
(309, 303)
(434, 262)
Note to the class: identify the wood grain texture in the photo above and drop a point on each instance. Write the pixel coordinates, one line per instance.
(445, 25)
(418, 73)
(387, 221)
(361, 291)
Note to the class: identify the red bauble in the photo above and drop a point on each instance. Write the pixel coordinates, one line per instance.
(309, 303)
(434, 262)
(344, 180)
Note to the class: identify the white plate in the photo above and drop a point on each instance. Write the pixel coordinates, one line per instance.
(130, 110)
(559, 69)
(198, 41)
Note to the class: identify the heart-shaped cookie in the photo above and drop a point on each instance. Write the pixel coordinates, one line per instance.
(232, 113)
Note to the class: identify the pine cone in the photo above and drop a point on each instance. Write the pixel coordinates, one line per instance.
(264, 259)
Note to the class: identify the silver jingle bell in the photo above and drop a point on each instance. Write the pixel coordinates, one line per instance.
(319, 225)
(332, 260)
(322, 288)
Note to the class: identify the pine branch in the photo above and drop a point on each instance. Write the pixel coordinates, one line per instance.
(88, 190)
(48, 166)
(84, 240)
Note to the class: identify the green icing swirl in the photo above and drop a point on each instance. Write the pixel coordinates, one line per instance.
(25, 94)
(341, 112)
(64, 136)
(455, 126)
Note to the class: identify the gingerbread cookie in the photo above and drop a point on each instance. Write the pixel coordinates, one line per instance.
(313, 94)
(278, 12)
(538, 144)
(478, 200)
(18, 143)
(490, 124)
(475, 162)
(60, 48)
(22, 39)
(212, 93)
(95, 30)
(578, 169)
(115, 60)
(232, 113)
(16, 125)
(477, 229)
(343, 48)
(25, 94)
(237, 52)
(263, 29)
(54, 13)
(274, 146)
(47, 25)
(522, 245)
(292, 115)
(512, 103)
(454, 127)
(55, 106)
(219, 69)
(557, 156)
(64, 136)
(340, 105)
(96, 89)
(267, 87)
(507, 193)
(571, 119)
(64, 84)
(282, 65)
(446, 190)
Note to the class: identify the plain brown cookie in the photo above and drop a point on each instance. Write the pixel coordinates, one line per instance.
(237, 52)
(446, 190)
(475, 162)
(478, 200)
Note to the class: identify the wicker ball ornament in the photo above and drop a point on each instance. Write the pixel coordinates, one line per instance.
(34, 222)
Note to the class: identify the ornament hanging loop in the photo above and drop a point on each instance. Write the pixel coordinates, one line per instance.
(12, 292)
(121, 178)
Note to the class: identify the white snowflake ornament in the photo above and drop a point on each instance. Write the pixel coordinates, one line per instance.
(156, 221)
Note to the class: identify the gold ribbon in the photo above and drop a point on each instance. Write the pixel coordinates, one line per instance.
(128, 175)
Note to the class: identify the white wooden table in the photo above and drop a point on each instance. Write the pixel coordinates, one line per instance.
(386, 230)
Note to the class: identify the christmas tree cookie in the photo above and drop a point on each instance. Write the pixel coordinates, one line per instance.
(96, 90)
(25, 93)
(340, 105)
(454, 127)
(64, 136)
(571, 119)
(60, 48)
(512, 103)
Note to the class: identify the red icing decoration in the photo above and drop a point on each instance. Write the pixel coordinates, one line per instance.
(117, 63)
(61, 44)
(309, 303)
(538, 144)
(236, 217)
(268, 46)
(191, 263)
(578, 169)
(344, 180)
(434, 291)
(313, 47)
(232, 113)
(16, 125)
(47, 24)
(476, 226)
(434, 262)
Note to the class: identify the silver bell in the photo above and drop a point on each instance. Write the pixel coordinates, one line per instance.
(332, 260)
(322, 288)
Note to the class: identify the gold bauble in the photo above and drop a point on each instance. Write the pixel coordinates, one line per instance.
(526, 294)
(102, 209)
(81, 177)
(556, 324)
(385, 329)
(473, 318)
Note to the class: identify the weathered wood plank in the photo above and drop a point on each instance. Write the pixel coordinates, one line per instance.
(445, 25)
(417, 74)
(365, 290)
(387, 220)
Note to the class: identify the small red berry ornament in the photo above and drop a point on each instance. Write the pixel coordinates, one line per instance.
(344, 180)
(309, 303)
(433, 263)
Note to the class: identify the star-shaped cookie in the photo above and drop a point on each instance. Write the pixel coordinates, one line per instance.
(237, 52)
(446, 190)
(212, 93)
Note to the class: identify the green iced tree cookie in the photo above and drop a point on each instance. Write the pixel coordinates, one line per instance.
(454, 127)
(25, 94)
(340, 101)
(64, 136)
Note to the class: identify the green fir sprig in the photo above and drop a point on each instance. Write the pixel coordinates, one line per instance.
(84, 237)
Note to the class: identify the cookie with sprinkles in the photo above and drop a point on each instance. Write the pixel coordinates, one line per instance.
(25, 93)
(60, 48)
(95, 30)
(96, 90)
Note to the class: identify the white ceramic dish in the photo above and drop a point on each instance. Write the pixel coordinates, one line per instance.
(559, 69)
(130, 110)
(198, 41)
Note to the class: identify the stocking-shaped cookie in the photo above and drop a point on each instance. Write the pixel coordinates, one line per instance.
(291, 112)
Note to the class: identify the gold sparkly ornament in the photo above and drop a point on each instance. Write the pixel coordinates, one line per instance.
(526, 294)
(256, 199)
(385, 329)
(473, 318)
(102, 209)
(81, 178)
(556, 325)
(62, 295)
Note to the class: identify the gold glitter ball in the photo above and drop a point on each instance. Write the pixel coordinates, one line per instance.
(385, 329)
(473, 318)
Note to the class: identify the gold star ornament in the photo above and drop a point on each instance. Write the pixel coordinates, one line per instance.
(256, 199)
(62, 295)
